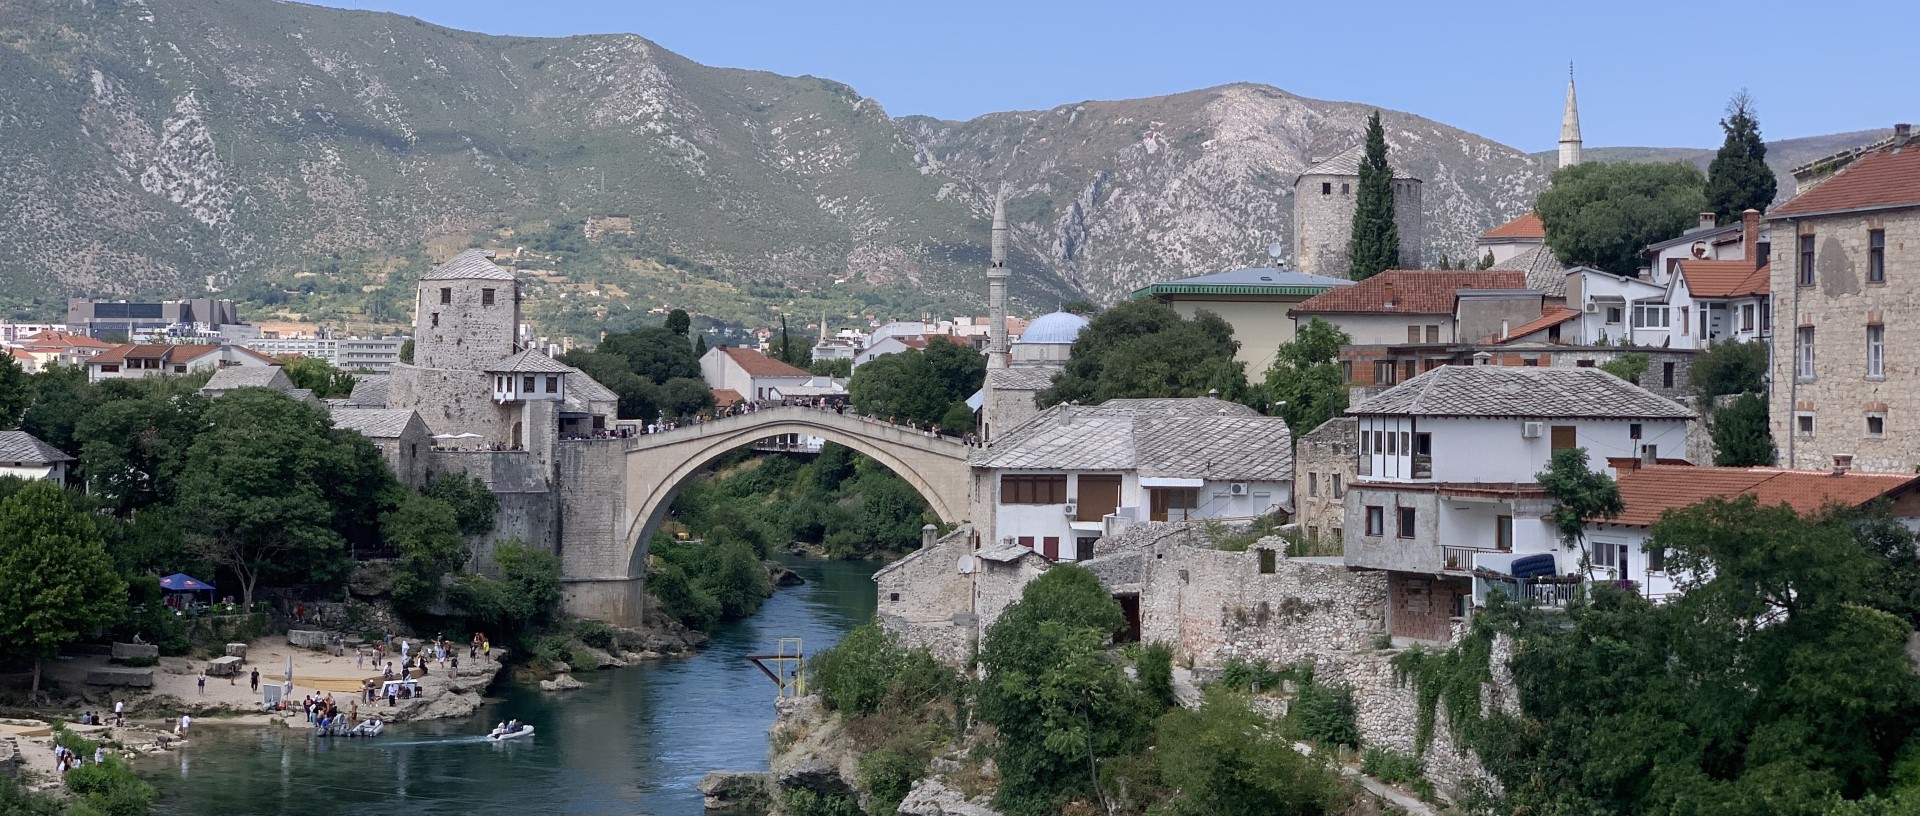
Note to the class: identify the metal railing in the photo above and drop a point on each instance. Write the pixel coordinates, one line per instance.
(1460, 559)
(1423, 466)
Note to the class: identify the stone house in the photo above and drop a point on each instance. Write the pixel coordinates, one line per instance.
(752, 375)
(400, 435)
(1324, 198)
(1846, 371)
(1445, 486)
(1402, 322)
(1323, 466)
(1253, 301)
(1074, 473)
(945, 595)
(24, 456)
(1618, 545)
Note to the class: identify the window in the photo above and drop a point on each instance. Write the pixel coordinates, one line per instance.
(1803, 423)
(1583, 364)
(1876, 256)
(1346, 371)
(1433, 334)
(1383, 372)
(1339, 534)
(1613, 315)
(1656, 558)
(1423, 444)
(1366, 443)
(1339, 487)
(1268, 562)
(1748, 322)
(893, 596)
(1173, 503)
(1806, 260)
(1649, 317)
(1406, 522)
(1413, 334)
(109, 368)
(1766, 317)
(1393, 444)
(1633, 430)
(1563, 437)
(1876, 352)
(1876, 425)
(1345, 188)
(553, 385)
(1046, 489)
(1683, 320)
(1603, 554)
(1530, 361)
(1503, 533)
(436, 320)
(1411, 369)
(1666, 375)
(486, 297)
(1805, 354)
(1313, 485)
(1376, 520)
(446, 295)
(1326, 188)
(526, 385)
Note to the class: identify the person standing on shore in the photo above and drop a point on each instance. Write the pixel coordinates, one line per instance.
(185, 721)
(203, 683)
(120, 713)
(253, 680)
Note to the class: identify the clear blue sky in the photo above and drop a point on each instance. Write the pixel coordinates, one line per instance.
(1650, 73)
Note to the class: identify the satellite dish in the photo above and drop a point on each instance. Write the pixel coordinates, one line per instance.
(966, 565)
(1700, 249)
(1274, 249)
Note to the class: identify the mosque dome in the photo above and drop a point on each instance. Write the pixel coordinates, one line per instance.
(1058, 327)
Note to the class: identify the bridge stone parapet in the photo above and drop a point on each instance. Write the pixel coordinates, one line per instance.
(602, 569)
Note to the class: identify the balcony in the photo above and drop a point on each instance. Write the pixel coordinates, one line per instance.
(1423, 466)
(1460, 559)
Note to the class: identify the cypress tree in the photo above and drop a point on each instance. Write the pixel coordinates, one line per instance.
(1375, 245)
(1739, 179)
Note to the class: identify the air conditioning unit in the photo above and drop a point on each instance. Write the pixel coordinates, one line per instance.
(1071, 509)
(1532, 430)
(1237, 488)
(1592, 307)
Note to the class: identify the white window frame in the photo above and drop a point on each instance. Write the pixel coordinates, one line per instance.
(1614, 314)
(1650, 316)
(1807, 428)
(1876, 352)
(1803, 367)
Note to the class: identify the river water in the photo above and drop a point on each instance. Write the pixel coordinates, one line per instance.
(634, 741)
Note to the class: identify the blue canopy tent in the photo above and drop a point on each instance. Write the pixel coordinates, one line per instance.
(182, 582)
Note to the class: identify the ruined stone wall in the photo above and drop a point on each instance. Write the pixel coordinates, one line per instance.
(1211, 605)
(527, 504)
(927, 601)
(1323, 466)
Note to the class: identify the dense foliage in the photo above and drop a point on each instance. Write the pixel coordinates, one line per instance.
(1629, 366)
(1741, 436)
(928, 387)
(654, 372)
(1729, 368)
(1739, 179)
(57, 583)
(1580, 493)
(1305, 384)
(1224, 760)
(318, 376)
(1374, 245)
(1143, 348)
(1601, 215)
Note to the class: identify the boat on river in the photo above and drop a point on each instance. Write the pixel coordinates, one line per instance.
(524, 732)
(367, 728)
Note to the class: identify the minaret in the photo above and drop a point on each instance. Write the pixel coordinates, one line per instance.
(1570, 126)
(997, 287)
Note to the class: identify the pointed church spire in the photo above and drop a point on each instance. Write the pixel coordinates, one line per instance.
(997, 285)
(1570, 126)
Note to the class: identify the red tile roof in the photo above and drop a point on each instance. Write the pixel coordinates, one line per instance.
(54, 338)
(724, 397)
(1553, 317)
(1407, 291)
(1889, 178)
(760, 365)
(1650, 491)
(1722, 279)
(1525, 228)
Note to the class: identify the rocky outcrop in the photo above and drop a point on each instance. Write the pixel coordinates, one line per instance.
(779, 576)
(564, 682)
(659, 634)
(932, 797)
(810, 749)
(741, 792)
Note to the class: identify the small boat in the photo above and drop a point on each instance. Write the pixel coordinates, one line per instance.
(524, 732)
(369, 728)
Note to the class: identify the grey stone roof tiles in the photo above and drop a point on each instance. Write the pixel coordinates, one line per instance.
(529, 362)
(473, 264)
(1521, 391)
(373, 423)
(1196, 438)
(1545, 272)
(1022, 378)
(1347, 163)
(23, 447)
(232, 377)
(588, 388)
(369, 391)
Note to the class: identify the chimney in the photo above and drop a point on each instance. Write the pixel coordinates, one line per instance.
(1706, 221)
(1504, 329)
(1389, 290)
(1066, 414)
(1901, 133)
(928, 535)
(1842, 462)
(1750, 237)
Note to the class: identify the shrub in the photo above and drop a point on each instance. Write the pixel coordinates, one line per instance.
(1325, 715)
(889, 776)
(1256, 677)
(1223, 759)
(552, 649)
(594, 633)
(1154, 667)
(803, 802)
(859, 674)
(110, 790)
(1391, 767)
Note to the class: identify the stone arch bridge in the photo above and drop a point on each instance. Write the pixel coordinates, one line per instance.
(602, 573)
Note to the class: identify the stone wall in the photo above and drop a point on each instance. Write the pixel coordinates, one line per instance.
(1838, 308)
(1323, 467)
(1387, 710)
(1211, 605)
(474, 328)
(594, 520)
(1323, 224)
(527, 504)
(927, 601)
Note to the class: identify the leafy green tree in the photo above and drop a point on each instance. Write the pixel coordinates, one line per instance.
(699, 346)
(255, 490)
(639, 397)
(1061, 706)
(1227, 760)
(1581, 493)
(1729, 368)
(958, 419)
(685, 396)
(472, 503)
(1629, 366)
(678, 322)
(1602, 214)
(1305, 384)
(899, 386)
(318, 376)
(1739, 179)
(1375, 244)
(1083, 308)
(1143, 348)
(57, 583)
(16, 393)
(133, 451)
(61, 396)
(1486, 261)
(525, 597)
(655, 353)
(841, 368)
(1741, 437)
(793, 352)
(426, 534)
(406, 352)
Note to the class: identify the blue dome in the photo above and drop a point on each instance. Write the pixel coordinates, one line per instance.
(1058, 327)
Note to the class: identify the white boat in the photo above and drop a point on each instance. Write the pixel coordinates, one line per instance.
(524, 732)
(369, 728)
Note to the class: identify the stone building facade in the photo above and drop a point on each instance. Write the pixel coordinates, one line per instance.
(1846, 351)
(1323, 203)
(1323, 466)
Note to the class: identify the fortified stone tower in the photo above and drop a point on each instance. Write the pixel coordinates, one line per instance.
(1323, 205)
(467, 314)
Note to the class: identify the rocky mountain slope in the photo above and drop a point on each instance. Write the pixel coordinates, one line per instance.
(276, 150)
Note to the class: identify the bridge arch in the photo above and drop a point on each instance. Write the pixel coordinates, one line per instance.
(658, 465)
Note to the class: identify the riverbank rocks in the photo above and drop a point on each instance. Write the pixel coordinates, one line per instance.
(224, 666)
(810, 749)
(238, 650)
(307, 638)
(124, 652)
(599, 660)
(563, 682)
(130, 678)
(932, 797)
(780, 576)
(740, 792)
